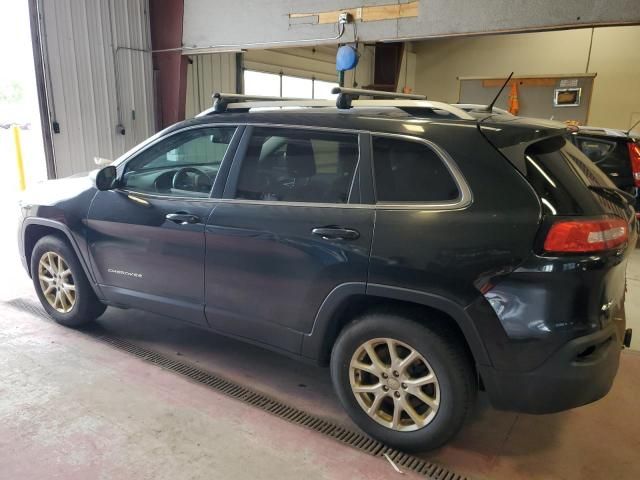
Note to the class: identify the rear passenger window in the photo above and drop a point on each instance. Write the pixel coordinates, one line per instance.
(409, 171)
(292, 165)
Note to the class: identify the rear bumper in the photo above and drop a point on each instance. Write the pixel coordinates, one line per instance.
(580, 372)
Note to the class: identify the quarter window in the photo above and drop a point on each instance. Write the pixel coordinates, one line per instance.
(184, 164)
(292, 165)
(409, 171)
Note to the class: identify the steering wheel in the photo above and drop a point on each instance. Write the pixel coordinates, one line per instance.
(179, 179)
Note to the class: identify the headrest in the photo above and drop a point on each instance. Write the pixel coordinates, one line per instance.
(300, 160)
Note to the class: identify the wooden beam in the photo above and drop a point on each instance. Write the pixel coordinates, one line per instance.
(374, 13)
(525, 82)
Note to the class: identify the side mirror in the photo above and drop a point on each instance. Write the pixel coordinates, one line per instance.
(107, 178)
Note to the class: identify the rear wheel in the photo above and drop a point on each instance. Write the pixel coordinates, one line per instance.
(406, 384)
(61, 284)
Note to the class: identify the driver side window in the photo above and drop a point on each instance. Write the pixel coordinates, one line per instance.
(184, 164)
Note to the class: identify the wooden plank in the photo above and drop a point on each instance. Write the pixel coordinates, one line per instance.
(409, 9)
(525, 82)
(374, 13)
(380, 12)
(549, 75)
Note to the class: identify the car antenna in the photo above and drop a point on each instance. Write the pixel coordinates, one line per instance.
(632, 127)
(495, 99)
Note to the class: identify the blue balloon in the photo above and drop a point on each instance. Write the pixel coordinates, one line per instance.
(346, 58)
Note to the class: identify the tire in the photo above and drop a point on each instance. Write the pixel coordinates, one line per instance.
(450, 397)
(79, 305)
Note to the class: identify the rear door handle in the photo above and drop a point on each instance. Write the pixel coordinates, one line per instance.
(336, 233)
(182, 218)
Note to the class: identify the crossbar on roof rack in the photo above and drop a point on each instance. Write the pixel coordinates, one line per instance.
(355, 92)
(345, 95)
(221, 100)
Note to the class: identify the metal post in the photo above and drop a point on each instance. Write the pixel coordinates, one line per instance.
(20, 165)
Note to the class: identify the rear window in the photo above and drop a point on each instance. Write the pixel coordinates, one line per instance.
(559, 173)
(410, 171)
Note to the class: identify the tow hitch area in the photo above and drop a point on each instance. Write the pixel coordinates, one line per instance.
(628, 333)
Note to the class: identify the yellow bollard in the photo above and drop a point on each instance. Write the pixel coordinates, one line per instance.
(20, 164)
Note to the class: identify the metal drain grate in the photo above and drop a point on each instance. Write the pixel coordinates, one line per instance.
(275, 407)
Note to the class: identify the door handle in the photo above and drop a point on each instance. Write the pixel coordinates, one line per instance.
(336, 233)
(182, 218)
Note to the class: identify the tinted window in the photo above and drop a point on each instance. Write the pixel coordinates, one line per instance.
(408, 171)
(293, 165)
(560, 173)
(183, 164)
(596, 150)
(612, 157)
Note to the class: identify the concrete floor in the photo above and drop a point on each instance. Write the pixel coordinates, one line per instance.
(72, 407)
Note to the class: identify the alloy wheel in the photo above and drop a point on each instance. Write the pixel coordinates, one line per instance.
(56, 282)
(394, 384)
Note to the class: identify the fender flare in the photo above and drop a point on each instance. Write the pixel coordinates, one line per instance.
(66, 231)
(314, 344)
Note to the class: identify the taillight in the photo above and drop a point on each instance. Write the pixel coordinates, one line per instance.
(634, 154)
(580, 236)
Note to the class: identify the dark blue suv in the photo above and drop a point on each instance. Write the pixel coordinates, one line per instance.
(422, 253)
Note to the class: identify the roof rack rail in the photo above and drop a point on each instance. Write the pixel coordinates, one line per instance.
(412, 104)
(345, 95)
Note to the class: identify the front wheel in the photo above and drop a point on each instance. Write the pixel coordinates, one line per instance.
(61, 284)
(406, 384)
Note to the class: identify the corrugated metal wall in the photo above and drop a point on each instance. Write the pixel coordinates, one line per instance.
(206, 74)
(87, 94)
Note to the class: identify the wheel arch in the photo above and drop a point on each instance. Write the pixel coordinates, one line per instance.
(33, 229)
(347, 301)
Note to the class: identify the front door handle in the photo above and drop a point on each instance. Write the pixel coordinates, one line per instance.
(182, 218)
(336, 233)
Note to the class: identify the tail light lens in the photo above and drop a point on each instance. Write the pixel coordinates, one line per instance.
(581, 236)
(634, 154)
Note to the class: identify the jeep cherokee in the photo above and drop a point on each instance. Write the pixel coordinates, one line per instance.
(421, 253)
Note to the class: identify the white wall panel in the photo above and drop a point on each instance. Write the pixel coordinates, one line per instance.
(207, 74)
(80, 39)
(612, 54)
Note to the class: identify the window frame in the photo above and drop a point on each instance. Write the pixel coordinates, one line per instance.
(464, 196)
(354, 195)
(363, 188)
(220, 180)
